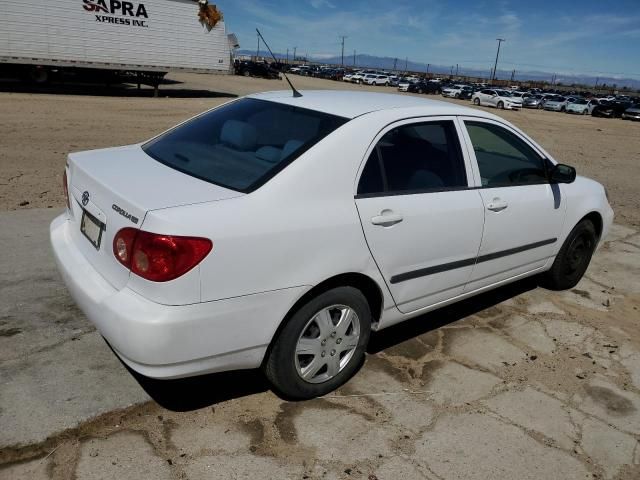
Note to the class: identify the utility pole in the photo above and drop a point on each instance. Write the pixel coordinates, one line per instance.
(456, 69)
(287, 56)
(406, 62)
(342, 57)
(354, 58)
(258, 50)
(513, 74)
(395, 63)
(294, 54)
(495, 67)
(452, 70)
(428, 65)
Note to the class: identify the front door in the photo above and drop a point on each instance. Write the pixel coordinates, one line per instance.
(524, 213)
(422, 223)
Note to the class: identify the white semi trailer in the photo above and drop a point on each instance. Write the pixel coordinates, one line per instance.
(142, 39)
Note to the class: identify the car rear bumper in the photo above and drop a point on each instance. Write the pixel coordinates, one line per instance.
(166, 341)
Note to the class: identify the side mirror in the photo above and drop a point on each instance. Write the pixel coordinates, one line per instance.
(563, 174)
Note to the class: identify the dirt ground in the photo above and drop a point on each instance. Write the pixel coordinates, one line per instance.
(519, 383)
(38, 130)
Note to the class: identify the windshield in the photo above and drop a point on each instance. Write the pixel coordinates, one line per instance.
(580, 101)
(504, 93)
(243, 144)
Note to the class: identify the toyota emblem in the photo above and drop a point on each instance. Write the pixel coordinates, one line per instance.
(85, 199)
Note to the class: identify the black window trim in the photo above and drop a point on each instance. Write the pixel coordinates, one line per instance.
(462, 119)
(401, 123)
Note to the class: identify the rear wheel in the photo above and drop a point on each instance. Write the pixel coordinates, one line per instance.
(247, 73)
(540, 107)
(573, 258)
(321, 346)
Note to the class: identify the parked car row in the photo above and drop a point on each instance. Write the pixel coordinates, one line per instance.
(480, 94)
(580, 104)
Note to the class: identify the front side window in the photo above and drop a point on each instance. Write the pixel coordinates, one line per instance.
(417, 157)
(503, 158)
(243, 144)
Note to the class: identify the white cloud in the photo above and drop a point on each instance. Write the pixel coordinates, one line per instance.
(318, 4)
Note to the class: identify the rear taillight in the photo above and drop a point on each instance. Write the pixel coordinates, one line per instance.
(65, 188)
(159, 258)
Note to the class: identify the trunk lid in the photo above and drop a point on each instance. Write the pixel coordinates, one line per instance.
(117, 187)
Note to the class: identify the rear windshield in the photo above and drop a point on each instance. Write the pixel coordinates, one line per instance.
(243, 144)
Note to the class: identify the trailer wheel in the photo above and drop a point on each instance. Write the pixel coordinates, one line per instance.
(39, 75)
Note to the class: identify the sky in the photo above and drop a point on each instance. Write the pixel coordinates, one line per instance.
(588, 37)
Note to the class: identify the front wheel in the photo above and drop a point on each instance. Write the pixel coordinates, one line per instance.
(476, 101)
(573, 258)
(501, 105)
(321, 346)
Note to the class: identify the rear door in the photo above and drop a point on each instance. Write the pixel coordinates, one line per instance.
(524, 213)
(422, 223)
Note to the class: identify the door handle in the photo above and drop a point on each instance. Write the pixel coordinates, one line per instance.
(497, 205)
(386, 218)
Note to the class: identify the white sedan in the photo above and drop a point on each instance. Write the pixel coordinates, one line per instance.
(501, 99)
(277, 231)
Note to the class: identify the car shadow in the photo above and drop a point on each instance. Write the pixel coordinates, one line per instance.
(392, 336)
(183, 395)
(114, 90)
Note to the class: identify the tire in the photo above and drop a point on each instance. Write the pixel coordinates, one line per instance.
(573, 258)
(540, 107)
(500, 105)
(476, 101)
(419, 90)
(247, 73)
(39, 75)
(386, 84)
(284, 368)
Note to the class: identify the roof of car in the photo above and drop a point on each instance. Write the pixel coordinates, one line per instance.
(350, 104)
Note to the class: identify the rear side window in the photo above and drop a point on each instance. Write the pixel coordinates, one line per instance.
(418, 157)
(243, 144)
(503, 158)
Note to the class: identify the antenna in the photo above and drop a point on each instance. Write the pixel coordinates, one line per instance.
(296, 93)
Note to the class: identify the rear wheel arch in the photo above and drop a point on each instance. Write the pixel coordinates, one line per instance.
(365, 284)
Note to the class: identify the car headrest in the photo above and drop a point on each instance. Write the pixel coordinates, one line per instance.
(269, 154)
(239, 135)
(290, 147)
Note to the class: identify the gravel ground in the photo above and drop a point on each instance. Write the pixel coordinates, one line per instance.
(38, 130)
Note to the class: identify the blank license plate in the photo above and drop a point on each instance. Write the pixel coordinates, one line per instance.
(91, 228)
